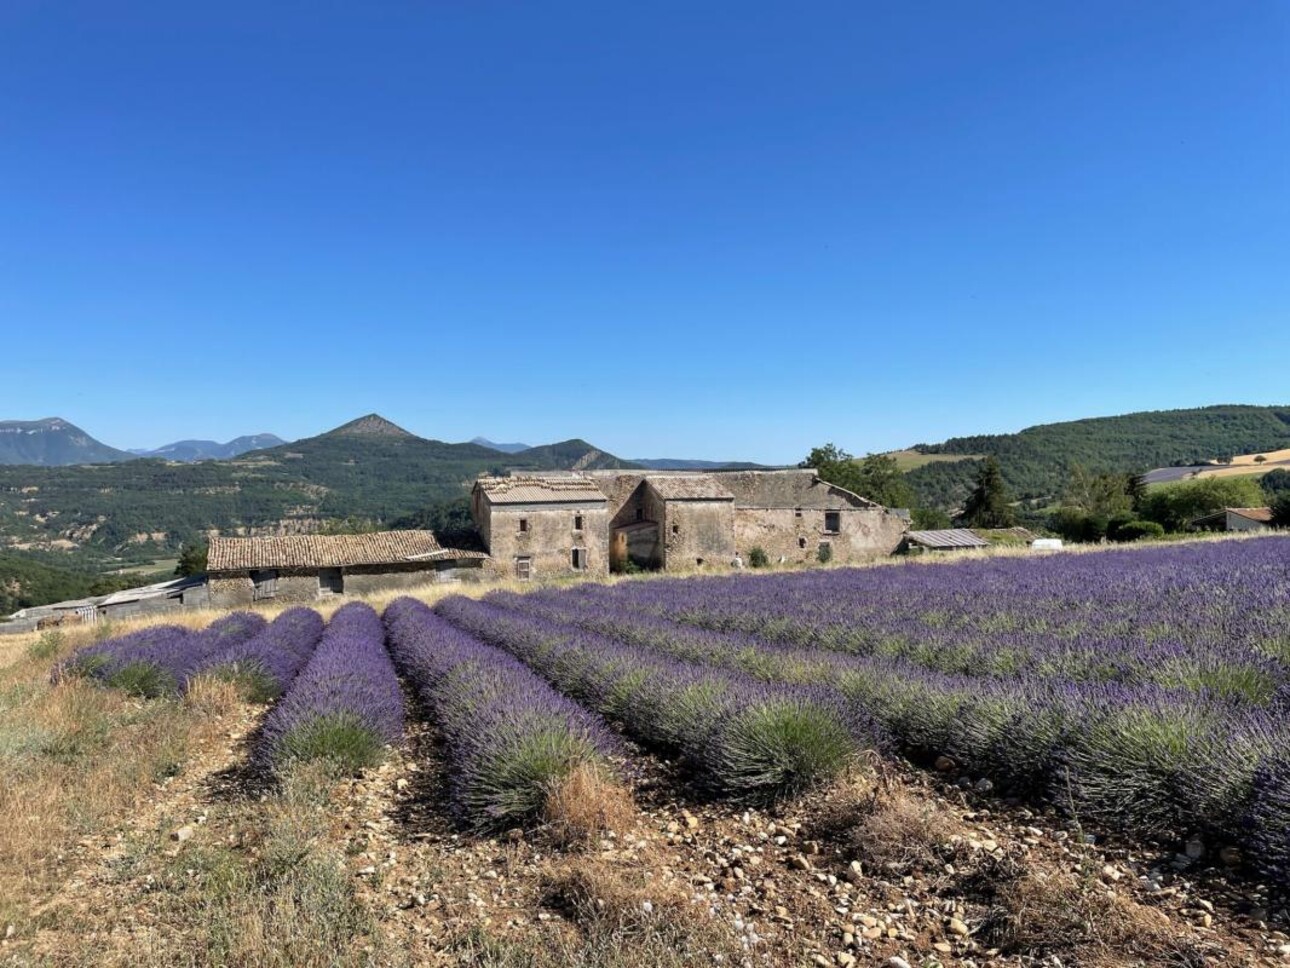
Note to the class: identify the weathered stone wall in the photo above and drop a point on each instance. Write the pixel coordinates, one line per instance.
(863, 534)
(698, 532)
(302, 587)
(549, 539)
(230, 592)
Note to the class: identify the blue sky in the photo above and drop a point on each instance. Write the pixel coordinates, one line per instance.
(676, 229)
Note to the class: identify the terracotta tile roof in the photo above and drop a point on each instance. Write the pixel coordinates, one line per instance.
(948, 538)
(539, 490)
(688, 487)
(321, 550)
(1254, 514)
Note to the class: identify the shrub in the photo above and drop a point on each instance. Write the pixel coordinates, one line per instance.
(825, 554)
(742, 737)
(47, 646)
(345, 706)
(1135, 531)
(513, 739)
(758, 558)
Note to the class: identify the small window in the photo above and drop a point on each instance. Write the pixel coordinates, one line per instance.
(524, 525)
(801, 542)
(579, 559)
(698, 561)
(264, 584)
(640, 514)
(797, 512)
(833, 521)
(676, 529)
(524, 568)
(577, 522)
(331, 582)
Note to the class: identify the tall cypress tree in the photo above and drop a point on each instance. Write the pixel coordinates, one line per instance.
(989, 505)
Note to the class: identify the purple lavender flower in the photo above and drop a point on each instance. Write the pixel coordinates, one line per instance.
(345, 706)
(739, 736)
(157, 661)
(510, 736)
(266, 664)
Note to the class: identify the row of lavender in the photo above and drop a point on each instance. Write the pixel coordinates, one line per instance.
(1212, 616)
(512, 738)
(740, 736)
(1161, 758)
(165, 659)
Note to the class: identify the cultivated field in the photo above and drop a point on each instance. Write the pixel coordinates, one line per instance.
(1072, 759)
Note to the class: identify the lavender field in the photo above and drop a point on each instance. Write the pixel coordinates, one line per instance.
(1145, 692)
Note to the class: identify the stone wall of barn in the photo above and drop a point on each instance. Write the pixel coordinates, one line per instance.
(548, 539)
(696, 533)
(795, 536)
(301, 586)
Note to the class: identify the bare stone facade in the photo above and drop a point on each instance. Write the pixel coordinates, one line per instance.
(542, 527)
(675, 520)
(301, 569)
(307, 586)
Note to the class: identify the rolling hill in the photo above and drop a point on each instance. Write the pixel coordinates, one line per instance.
(368, 469)
(1037, 462)
(53, 442)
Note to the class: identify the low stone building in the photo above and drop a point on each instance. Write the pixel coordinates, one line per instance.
(548, 526)
(1235, 519)
(302, 568)
(676, 520)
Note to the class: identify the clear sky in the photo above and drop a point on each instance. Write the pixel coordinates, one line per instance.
(687, 229)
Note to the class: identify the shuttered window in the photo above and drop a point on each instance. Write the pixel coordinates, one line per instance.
(264, 584)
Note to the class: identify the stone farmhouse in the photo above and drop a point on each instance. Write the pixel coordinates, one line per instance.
(600, 521)
(305, 567)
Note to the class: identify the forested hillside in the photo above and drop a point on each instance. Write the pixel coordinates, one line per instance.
(1037, 462)
(364, 471)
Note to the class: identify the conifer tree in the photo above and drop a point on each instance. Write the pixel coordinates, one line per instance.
(989, 505)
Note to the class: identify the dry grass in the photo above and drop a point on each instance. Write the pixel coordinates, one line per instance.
(908, 460)
(585, 805)
(212, 696)
(1038, 913)
(623, 921)
(898, 832)
(75, 759)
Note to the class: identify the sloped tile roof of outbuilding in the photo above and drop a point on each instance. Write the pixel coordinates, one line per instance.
(688, 487)
(327, 550)
(539, 490)
(949, 538)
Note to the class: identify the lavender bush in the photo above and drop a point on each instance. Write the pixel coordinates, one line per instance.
(265, 665)
(510, 736)
(740, 736)
(345, 706)
(157, 661)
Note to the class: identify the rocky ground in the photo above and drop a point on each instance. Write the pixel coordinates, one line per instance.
(890, 867)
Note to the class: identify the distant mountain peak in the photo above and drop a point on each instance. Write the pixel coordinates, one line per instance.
(514, 448)
(369, 425)
(52, 442)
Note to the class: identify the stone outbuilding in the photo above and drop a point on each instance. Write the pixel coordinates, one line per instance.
(1236, 519)
(305, 567)
(676, 520)
(542, 526)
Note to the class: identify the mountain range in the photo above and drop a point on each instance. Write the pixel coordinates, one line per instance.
(54, 442)
(192, 450)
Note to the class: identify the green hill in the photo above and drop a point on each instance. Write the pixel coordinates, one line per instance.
(369, 470)
(1037, 461)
